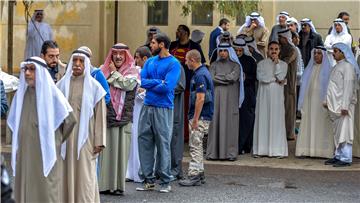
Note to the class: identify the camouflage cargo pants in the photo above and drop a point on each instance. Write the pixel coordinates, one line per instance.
(196, 164)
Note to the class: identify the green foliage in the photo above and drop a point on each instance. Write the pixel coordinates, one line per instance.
(230, 8)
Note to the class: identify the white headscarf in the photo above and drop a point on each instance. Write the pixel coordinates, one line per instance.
(293, 20)
(250, 41)
(253, 15)
(93, 92)
(349, 56)
(282, 13)
(324, 76)
(287, 34)
(233, 57)
(343, 25)
(52, 109)
(240, 43)
(309, 22)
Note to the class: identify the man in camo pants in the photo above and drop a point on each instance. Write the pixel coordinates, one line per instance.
(200, 115)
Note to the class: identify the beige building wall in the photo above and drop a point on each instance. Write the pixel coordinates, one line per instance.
(91, 23)
(74, 24)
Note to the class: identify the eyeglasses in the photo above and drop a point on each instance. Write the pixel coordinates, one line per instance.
(31, 69)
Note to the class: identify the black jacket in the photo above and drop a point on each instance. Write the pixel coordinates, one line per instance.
(313, 41)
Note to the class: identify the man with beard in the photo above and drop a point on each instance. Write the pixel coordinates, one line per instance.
(229, 94)
(280, 25)
(340, 101)
(142, 54)
(309, 39)
(289, 55)
(122, 76)
(269, 130)
(247, 110)
(254, 26)
(159, 77)
(80, 151)
(37, 33)
(51, 54)
(40, 120)
(178, 49)
(224, 25)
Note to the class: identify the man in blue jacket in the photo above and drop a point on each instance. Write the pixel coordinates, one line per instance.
(224, 25)
(159, 77)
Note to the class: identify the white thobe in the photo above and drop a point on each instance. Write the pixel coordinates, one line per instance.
(341, 95)
(33, 39)
(315, 139)
(269, 130)
(333, 39)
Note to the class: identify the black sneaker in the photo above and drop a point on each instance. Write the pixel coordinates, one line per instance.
(331, 161)
(191, 181)
(146, 187)
(202, 177)
(341, 164)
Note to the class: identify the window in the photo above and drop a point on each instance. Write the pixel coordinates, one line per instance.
(158, 13)
(202, 14)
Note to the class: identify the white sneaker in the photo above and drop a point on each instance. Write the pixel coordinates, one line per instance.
(165, 189)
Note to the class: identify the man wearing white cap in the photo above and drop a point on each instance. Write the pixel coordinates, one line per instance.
(80, 151)
(37, 134)
(254, 26)
(280, 25)
(340, 101)
(309, 39)
(339, 33)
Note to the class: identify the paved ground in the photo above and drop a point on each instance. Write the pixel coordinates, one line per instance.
(257, 184)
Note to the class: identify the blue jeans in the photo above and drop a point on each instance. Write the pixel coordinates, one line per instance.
(155, 130)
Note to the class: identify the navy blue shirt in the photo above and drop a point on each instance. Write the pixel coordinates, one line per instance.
(159, 77)
(201, 82)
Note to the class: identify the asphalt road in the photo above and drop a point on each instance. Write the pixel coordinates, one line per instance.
(256, 184)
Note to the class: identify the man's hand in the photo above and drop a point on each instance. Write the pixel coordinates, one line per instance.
(281, 82)
(98, 149)
(195, 124)
(275, 58)
(344, 112)
(112, 66)
(325, 105)
(140, 90)
(253, 26)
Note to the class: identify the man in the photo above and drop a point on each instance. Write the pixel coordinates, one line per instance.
(293, 25)
(37, 134)
(356, 148)
(224, 37)
(4, 104)
(309, 39)
(80, 151)
(315, 139)
(122, 76)
(289, 55)
(254, 26)
(159, 77)
(340, 101)
(37, 33)
(51, 54)
(200, 116)
(97, 74)
(269, 131)
(224, 25)
(197, 36)
(247, 110)
(142, 54)
(150, 34)
(178, 49)
(339, 33)
(224, 128)
(345, 16)
(300, 69)
(280, 25)
(255, 53)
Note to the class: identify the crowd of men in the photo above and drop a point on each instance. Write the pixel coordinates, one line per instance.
(79, 130)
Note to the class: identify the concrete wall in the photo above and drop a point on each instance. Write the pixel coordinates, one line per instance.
(92, 23)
